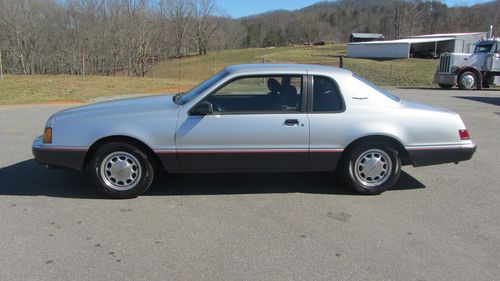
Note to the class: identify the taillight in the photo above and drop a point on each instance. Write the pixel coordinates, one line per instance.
(464, 134)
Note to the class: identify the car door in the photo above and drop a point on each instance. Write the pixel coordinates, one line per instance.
(258, 123)
(329, 127)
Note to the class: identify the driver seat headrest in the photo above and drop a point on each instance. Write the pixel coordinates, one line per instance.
(273, 85)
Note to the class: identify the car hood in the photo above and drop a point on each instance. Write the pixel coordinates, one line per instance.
(129, 106)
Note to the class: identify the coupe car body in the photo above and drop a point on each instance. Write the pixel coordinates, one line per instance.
(259, 117)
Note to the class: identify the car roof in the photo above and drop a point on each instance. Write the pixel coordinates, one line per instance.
(263, 68)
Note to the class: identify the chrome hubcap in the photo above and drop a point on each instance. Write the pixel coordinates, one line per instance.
(468, 81)
(373, 167)
(120, 170)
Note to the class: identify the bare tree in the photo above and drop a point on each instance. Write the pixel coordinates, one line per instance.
(178, 13)
(311, 28)
(230, 35)
(206, 21)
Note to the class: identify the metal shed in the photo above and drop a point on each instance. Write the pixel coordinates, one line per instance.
(365, 37)
(417, 46)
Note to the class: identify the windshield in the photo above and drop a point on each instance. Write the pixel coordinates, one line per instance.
(380, 90)
(201, 88)
(483, 48)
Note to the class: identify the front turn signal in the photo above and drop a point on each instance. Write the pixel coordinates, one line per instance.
(47, 135)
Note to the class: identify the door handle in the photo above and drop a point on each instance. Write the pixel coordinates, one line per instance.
(291, 122)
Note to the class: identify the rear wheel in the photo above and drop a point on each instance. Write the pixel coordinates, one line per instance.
(371, 168)
(467, 81)
(445, 86)
(121, 170)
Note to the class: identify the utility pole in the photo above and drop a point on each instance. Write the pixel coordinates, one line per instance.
(1, 67)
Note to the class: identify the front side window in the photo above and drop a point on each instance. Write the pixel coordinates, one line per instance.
(196, 91)
(276, 93)
(326, 95)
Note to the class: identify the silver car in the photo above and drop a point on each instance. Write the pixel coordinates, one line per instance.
(258, 117)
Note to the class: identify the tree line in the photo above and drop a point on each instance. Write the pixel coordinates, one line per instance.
(395, 19)
(110, 37)
(102, 36)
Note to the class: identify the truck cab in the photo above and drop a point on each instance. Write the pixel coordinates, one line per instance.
(471, 71)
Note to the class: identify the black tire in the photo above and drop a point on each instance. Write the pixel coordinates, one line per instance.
(353, 178)
(445, 86)
(463, 85)
(144, 172)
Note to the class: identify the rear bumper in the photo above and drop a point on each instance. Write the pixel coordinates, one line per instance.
(58, 157)
(445, 78)
(425, 156)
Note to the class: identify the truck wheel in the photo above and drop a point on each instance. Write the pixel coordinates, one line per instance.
(121, 170)
(445, 86)
(371, 168)
(467, 81)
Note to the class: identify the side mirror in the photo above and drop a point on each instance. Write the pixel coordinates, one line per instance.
(203, 108)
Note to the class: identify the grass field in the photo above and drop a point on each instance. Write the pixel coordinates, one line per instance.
(180, 74)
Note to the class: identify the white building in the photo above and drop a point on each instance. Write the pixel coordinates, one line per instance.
(416, 46)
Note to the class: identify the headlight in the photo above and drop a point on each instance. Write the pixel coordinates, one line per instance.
(454, 69)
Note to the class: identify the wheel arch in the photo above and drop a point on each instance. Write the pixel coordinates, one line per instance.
(395, 143)
(125, 139)
(477, 72)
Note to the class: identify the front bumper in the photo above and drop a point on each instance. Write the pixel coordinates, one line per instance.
(425, 156)
(58, 157)
(445, 78)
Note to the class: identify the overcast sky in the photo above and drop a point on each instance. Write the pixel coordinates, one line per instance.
(241, 8)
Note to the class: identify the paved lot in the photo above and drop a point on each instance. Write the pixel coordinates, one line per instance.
(440, 223)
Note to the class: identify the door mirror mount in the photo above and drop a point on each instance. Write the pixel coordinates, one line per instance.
(203, 108)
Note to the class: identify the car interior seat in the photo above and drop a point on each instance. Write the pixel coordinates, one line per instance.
(289, 97)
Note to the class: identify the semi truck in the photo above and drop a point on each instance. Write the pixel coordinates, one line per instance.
(478, 70)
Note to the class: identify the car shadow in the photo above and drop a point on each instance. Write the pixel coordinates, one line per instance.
(489, 100)
(28, 178)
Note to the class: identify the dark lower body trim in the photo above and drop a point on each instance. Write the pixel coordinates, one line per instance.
(426, 156)
(60, 157)
(268, 160)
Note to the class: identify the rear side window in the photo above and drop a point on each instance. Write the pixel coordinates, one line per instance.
(376, 88)
(326, 95)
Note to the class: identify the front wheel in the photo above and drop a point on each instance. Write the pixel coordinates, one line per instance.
(371, 168)
(467, 81)
(121, 170)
